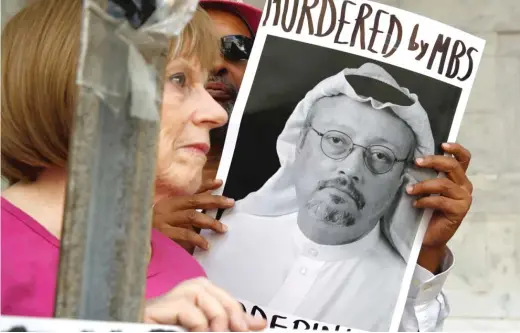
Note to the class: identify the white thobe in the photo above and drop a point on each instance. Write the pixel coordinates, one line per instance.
(269, 262)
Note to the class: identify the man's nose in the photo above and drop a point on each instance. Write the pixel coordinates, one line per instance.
(353, 166)
(220, 68)
(209, 112)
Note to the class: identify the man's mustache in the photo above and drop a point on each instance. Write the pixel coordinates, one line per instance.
(228, 86)
(344, 185)
(218, 135)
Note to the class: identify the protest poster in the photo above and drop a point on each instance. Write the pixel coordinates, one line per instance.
(338, 100)
(36, 324)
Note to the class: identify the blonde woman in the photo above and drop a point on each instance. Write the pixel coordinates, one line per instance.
(39, 56)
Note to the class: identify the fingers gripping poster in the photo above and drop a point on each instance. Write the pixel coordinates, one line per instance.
(338, 101)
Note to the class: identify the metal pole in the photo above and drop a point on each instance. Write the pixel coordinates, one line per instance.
(105, 245)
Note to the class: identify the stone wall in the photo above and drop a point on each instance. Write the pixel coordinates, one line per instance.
(484, 287)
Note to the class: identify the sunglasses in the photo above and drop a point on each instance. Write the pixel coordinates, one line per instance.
(236, 47)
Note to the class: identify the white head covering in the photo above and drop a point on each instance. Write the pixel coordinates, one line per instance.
(278, 196)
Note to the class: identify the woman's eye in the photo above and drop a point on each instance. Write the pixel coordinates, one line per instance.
(178, 79)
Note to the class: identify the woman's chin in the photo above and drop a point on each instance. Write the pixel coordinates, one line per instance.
(180, 181)
(192, 187)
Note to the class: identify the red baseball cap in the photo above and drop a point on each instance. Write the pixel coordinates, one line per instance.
(251, 15)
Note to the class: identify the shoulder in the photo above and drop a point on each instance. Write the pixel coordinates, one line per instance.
(24, 239)
(168, 255)
(29, 266)
(170, 265)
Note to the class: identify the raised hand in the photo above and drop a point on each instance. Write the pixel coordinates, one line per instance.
(178, 217)
(450, 204)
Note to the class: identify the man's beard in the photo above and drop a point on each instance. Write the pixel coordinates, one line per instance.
(228, 105)
(329, 213)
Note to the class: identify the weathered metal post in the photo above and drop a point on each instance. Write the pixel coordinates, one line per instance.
(105, 246)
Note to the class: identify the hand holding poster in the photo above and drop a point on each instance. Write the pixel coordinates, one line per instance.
(338, 101)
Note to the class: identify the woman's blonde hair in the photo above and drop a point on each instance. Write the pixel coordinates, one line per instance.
(40, 47)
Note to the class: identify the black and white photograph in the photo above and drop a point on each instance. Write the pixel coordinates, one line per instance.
(326, 146)
(317, 235)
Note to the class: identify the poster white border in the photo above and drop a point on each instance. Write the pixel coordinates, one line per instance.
(430, 30)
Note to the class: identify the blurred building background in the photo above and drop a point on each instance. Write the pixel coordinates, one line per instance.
(484, 287)
(10, 7)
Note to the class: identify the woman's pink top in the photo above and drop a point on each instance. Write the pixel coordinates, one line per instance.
(30, 256)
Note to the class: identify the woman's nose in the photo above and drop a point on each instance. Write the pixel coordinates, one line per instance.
(209, 112)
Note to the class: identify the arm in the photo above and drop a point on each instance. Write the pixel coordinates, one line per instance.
(427, 306)
(431, 258)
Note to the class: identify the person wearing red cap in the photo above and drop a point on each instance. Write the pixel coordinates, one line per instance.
(236, 24)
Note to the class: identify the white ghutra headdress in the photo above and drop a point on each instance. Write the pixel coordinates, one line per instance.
(278, 196)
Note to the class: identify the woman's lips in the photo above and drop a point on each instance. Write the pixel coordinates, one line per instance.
(201, 148)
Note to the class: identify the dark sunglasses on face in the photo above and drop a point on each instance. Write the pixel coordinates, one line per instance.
(236, 47)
